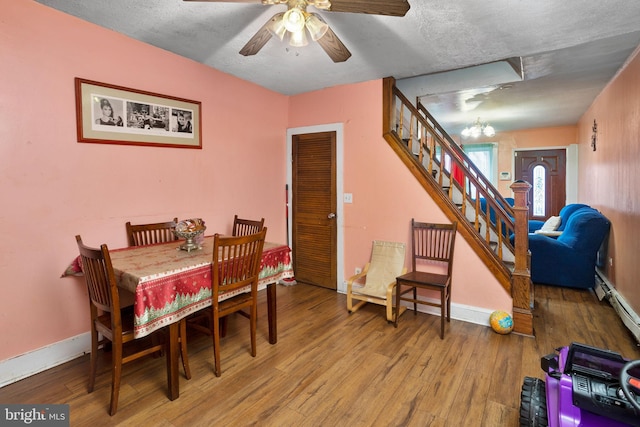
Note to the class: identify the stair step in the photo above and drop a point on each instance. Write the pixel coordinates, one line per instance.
(510, 265)
(478, 228)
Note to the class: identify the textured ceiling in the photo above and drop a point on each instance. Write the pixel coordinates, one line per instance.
(569, 51)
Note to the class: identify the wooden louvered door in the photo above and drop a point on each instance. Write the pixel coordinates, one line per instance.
(314, 225)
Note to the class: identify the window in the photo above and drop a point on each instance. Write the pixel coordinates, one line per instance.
(539, 184)
(484, 157)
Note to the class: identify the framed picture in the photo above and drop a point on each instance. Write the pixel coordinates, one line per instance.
(108, 114)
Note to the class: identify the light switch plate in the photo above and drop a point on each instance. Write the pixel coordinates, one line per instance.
(348, 197)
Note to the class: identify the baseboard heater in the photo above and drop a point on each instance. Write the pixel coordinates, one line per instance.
(604, 289)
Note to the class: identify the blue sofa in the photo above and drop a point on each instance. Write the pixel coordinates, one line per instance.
(569, 260)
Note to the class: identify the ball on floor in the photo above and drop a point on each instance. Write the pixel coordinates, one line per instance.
(501, 322)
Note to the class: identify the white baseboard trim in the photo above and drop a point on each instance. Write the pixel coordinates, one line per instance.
(33, 362)
(465, 313)
(605, 289)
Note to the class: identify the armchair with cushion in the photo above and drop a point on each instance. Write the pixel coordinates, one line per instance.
(570, 259)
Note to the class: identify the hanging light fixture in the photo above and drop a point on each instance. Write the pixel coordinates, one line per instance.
(298, 38)
(294, 19)
(296, 22)
(477, 129)
(316, 26)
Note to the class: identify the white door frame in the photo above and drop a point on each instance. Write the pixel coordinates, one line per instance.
(338, 129)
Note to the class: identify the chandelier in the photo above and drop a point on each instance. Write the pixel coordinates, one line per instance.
(296, 22)
(477, 129)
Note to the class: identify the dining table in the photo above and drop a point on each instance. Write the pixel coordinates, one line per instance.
(169, 284)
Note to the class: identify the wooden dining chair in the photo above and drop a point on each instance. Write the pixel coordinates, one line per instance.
(243, 227)
(235, 267)
(109, 319)
(148, 234)
(433, 244)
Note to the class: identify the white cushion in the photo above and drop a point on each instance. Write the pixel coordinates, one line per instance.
(551, 224)
(552, 233)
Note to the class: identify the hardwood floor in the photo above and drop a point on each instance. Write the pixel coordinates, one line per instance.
(330, 368)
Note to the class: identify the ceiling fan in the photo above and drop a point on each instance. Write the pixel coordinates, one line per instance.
(296, 22)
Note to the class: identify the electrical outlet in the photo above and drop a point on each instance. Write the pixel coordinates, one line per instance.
(358, 270)
(348, 197)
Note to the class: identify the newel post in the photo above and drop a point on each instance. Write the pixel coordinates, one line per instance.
(521, 286)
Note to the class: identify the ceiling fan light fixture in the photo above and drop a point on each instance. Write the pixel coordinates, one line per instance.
(294, 20)
(276, 26)
(298, 38)
(316, 26)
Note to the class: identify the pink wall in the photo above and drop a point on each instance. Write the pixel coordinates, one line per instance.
(53, 188)
(385, 194)
(610, 176)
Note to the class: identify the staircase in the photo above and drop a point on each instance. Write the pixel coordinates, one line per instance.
(495, 230)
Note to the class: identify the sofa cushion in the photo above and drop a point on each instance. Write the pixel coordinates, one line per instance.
(585, 230)
(564, 214)
(549, 228)
(567, 211)
(551, 224)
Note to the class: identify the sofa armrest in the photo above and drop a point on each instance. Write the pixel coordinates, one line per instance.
(548, 249)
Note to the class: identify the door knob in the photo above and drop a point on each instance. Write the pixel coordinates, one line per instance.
(331, 215)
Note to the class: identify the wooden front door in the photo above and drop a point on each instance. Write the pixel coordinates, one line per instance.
(314, 204)
(545, 170)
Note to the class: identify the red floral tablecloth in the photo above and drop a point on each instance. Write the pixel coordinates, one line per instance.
(170, 283)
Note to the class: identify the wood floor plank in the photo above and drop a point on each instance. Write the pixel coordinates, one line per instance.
(330, 367)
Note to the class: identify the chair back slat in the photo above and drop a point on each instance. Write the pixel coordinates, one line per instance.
(236, 262)
(243, 227)
(149, 234)
(433, 242)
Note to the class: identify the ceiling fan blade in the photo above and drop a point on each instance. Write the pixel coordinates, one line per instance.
(256, 43)
(331, 44)
(375, 7)
(260, 38)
